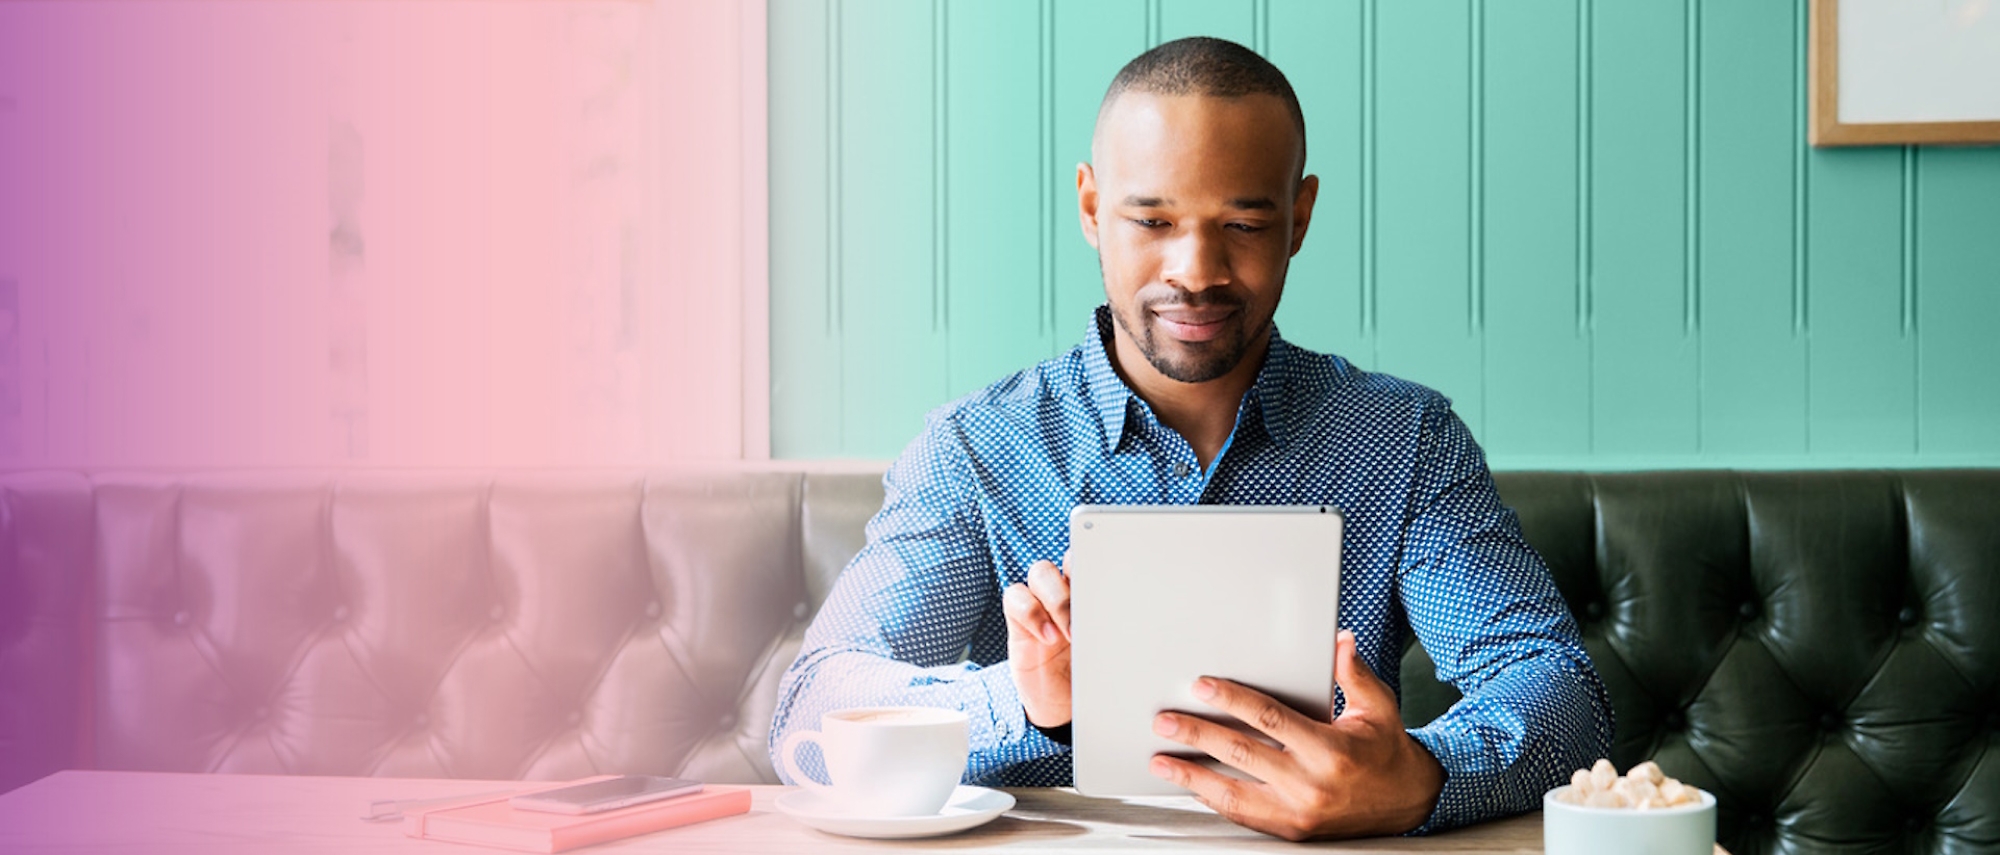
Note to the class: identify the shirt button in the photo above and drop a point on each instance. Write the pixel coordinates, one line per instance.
(1181, 470)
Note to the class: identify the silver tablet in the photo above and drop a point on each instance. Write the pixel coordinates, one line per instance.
(1163, 594)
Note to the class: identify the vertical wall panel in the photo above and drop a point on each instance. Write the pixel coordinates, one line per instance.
(1422, 178)
(1957, 293)
(1596, 226)
(1752, 364)
(805, 351)
(1234, 20)
(1092, 41)
(1537, 357)
(1318, 45)
(1644, 391)
(891, 339)
(1862, 367)
(993, 213)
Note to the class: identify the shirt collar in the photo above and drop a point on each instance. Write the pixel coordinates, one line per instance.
(1114, 400)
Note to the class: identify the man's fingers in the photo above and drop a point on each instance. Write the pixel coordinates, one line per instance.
(1238, 750)
(1052, 589)
(1254, 708)
(1024, 611)
(1246, 803)
(1366, 694)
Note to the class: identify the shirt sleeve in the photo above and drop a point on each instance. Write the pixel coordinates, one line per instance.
(896, 626)
(1485, 608)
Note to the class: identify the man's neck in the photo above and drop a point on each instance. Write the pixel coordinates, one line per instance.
(1202, 413)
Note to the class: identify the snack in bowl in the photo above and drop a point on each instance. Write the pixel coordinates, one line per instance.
(1642, 812)
(1644, 787)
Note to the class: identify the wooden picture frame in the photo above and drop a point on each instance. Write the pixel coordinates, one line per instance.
(1825, 126)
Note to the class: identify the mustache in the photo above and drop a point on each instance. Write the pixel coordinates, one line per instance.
(1185, 299)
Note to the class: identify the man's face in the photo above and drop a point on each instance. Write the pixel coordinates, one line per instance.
(1195, 207)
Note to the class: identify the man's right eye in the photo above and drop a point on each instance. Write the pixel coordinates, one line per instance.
(1150, 224)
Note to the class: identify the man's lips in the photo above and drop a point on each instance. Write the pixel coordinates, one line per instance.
(1194, 323)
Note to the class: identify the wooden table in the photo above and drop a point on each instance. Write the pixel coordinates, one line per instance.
(171, 812)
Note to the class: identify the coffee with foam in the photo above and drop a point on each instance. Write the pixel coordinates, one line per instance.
(879, 716)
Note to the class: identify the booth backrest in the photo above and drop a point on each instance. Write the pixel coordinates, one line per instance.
(1821, 650)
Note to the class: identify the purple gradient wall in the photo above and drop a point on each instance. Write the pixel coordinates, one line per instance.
(402, 233)
(358, 235)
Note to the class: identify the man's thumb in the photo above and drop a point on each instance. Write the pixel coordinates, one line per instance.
(1365, 693)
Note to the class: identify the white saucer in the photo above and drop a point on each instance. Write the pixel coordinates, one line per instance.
(968, 807)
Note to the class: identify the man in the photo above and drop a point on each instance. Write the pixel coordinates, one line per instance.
(1183, 392)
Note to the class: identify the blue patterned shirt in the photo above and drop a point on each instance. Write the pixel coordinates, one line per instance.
(986, 490)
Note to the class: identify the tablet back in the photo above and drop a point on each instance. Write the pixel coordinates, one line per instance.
(1162, 595)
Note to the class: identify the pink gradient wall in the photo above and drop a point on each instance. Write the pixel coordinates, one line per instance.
(401, 233)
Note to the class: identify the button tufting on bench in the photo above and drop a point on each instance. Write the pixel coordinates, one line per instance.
(431, 567)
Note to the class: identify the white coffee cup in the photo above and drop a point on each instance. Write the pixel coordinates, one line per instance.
(885, 761)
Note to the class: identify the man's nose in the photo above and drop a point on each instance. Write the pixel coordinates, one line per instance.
(1197, 260)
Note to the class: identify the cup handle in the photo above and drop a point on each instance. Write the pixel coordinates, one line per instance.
(788, 754)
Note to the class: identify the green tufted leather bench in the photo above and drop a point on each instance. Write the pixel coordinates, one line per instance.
(1821, 650)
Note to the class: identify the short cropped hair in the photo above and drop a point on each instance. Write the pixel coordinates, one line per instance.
(1201, 65)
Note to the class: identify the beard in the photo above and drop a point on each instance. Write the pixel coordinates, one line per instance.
(1189, 361)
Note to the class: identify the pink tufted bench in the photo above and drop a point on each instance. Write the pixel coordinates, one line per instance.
(491, 625)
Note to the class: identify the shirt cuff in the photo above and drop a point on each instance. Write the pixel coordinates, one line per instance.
(1456, 751)
(1006, 721)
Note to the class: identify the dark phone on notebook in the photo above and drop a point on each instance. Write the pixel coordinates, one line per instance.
(622, 791)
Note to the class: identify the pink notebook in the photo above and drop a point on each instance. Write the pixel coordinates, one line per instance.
(493, 822)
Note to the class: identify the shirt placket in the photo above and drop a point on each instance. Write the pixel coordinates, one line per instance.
(1185, 480)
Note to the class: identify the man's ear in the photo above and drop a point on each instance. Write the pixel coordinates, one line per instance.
(1086, 202)
(1302, 210)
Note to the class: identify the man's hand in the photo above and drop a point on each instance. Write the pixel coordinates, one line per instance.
(1038, 643)
(1360, 774)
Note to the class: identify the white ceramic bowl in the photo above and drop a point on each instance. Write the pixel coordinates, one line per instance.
(1569, 829)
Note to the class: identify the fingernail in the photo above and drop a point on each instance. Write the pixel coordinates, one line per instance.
(1204, 688)
(1049, 633)
(1165, 725)
(1159, 768)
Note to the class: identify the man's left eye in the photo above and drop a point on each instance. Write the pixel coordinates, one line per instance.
(1246, 227)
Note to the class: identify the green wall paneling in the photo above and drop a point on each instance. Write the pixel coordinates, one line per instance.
(1955, 282)
(1537, 353)
(1861, 362)
(1235, 20)
(1091, 42)
(1595, 225)
(1319, 44)
(996, 198)
(893, 353)
(1753, 359)
(1424, 305)
(806, 392)
(1644, 350)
